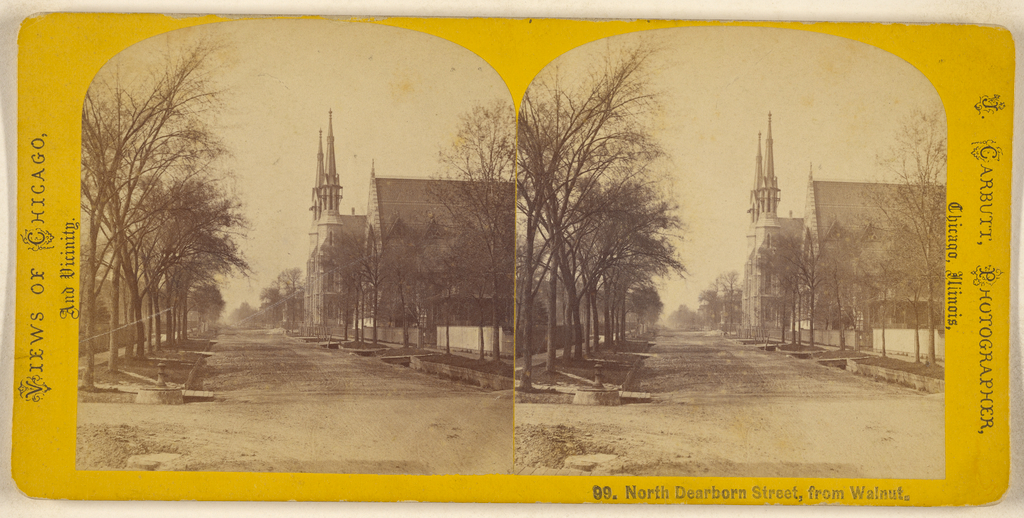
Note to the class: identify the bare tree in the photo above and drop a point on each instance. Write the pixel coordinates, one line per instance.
(574, 138)
(732, 296)
(711, 306)
(137, 130)
(915, 209)
(481, 203)
(780, 262)
(809, 272)
(840, 259)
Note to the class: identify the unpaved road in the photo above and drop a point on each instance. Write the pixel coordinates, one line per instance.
(287, 406)
(723, 409)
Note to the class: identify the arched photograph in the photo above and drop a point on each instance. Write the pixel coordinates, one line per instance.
(297, 254)
(731, 260)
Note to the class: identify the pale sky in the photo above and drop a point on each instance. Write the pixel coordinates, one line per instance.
(397, 96)
(835, 103)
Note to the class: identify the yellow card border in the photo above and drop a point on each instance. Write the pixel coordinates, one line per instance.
(60, 53)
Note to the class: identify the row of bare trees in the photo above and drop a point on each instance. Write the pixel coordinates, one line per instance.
(158, 224)
(593, 221)
(479, 197)
(280, 303)
(721, 303)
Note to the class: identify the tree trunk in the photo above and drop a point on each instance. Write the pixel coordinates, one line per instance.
(810, 307)
(156, 315)
(140, 322)
(527, 341)
(553, 316)
(170, 318)
(917, 333)
(447, 332)
(149, 324)
(931, 324)
(883, 328)
(115, 308)
(622, 322)
(480, 339)
(577, 329)
(586, 324)
(357, 335)
(607, 314)
(374, 315)
(184, 316)
(89, 303)
(496, 330)
(842, 328)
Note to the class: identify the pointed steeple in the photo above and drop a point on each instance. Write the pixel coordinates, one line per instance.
(758, 171)
(373, 209)
(332, 168)
(320, 178)
(769, 156)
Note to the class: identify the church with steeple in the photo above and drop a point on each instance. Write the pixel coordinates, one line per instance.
(322, 305)
(404, 232)
(840, 220)
(759, 289)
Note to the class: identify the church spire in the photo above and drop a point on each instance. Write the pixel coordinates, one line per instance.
(758, 171)
(769, 157)
(764, 199)
(756, 192)
(320, 161)
(332, 168)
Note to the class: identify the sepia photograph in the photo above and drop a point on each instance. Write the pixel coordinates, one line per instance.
(298, 252)
(730, 261)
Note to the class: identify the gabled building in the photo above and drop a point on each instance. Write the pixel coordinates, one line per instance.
(408, 262)
(844, 222)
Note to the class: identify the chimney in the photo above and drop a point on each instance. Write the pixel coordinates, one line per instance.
(790, 214)
(354, 211)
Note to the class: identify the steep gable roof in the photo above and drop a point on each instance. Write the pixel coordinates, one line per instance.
(851, 205)
(413, 201)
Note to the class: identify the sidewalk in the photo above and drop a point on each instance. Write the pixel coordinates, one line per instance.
(866, 352)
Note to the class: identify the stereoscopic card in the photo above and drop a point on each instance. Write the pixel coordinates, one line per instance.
(496, 260)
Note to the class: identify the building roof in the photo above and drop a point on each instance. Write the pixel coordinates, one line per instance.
(852, 205)
(412, 201)
(415, 202)
(791, 226)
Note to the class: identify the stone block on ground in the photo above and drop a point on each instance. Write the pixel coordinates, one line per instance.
(594, 397)
(159, 396)
(587, 462)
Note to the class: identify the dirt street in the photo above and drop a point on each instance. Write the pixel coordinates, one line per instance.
(286, 406)
(723, 409)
